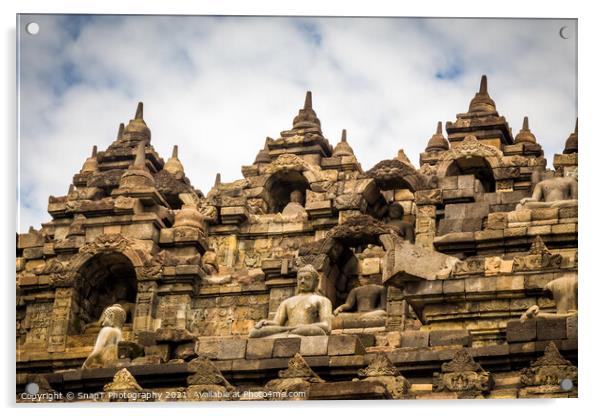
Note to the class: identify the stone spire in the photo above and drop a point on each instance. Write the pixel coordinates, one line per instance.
(140, 160)
(571, 145)
(482, 102)
(525, 135)
(137, 175)
(218, 179)
(307, 118)
(137, 128)
(437, 142)
(91, 163)
(173, 165)
(342, 148)
(120, 131)
(264, 154)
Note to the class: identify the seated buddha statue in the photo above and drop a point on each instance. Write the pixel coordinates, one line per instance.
(305, 314)
(564, 292)
(104, 353)
(295, 207)
(365, 305)
(550, 191)
(395, 213)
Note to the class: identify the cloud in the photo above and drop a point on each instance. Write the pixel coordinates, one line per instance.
(217, 86)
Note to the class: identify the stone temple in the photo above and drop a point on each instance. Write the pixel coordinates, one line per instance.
(309, 277)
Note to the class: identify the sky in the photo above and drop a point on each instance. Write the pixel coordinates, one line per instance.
(217, 86)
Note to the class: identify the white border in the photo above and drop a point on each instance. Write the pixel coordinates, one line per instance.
(589, 104)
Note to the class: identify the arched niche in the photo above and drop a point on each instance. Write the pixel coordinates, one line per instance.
(280, 186)
(475, 165)
(104, 279)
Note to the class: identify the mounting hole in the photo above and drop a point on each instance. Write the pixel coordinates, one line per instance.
(566, 384)
(32, 28)
(32, 388)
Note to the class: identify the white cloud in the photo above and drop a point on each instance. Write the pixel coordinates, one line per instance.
(218, 86)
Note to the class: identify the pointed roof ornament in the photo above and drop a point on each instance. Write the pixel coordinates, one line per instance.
(308, 104)
(120, 131)
(482, 102)
(137, 175)
(139, 111)
(525, 135)
(173, 165)
(483, 85)
(263, 156)
(307, 118)
(91, 163)
(137, 128)
(572, 143)
(342, 148)
(140, 160)
(437, 142)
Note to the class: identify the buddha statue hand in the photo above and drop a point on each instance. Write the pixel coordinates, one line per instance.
(530, 313)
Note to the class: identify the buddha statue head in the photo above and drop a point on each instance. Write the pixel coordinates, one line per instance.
(307, 279)
(114, 316)
(297, 196)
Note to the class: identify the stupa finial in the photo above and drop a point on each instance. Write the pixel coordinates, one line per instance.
(483, 86)
(120, 131)
(139, 111)
(308, 103)
(140, 161)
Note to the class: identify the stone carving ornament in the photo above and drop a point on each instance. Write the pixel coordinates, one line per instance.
(550, 369)
(472, 147)
(462, 374)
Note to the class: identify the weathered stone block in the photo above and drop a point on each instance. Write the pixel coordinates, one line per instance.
(519, 216)
(317, 345)
(551, 328)
(539, 230)
(345, 345)
(370, 266)
(517, 331)
(544, 214)
(466, 181)
(429, 197)
(450, 337)
(146, 338)
(163, 351)
(497, 221)
(286, 347)
(568, 212)
(414, 339)
(480, 284)
(449, 182)
(259, 348)
(510, 282)
(33, 253)
(231, 349)
(568, 228)
(207, 347)
(453, 286)
(447, 226)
